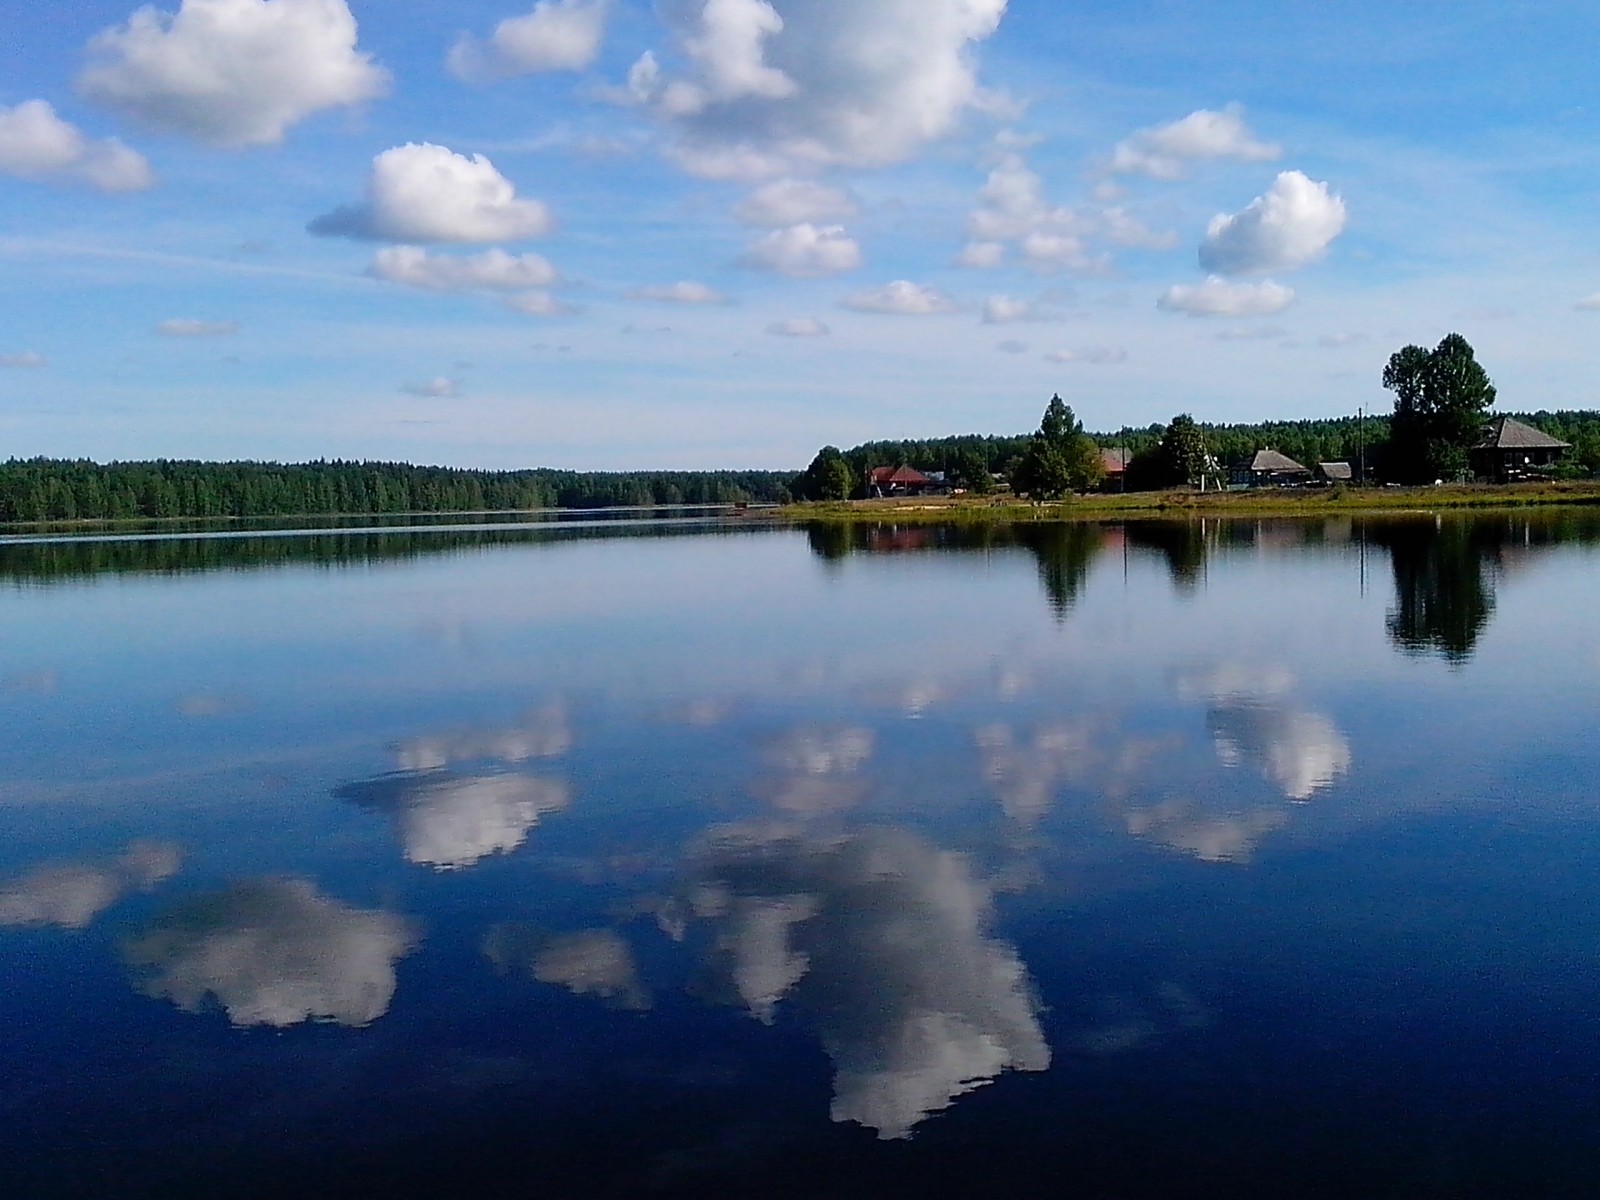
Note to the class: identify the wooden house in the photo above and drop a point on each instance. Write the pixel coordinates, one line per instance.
(1510, 450)
(1268, 468)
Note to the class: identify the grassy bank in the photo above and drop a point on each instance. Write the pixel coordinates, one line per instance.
(1275, 502)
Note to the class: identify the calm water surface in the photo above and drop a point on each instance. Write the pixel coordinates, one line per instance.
(694, 859)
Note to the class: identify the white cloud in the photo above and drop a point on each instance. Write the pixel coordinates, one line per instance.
(1335, 341)
(539, 304)
(794, 202)
(804, 251)
(437, 388)
(799, 327)
(1125, 229)
(190, 327)
(274, 952)
(558, 35)
(903, 298)
(879, 942)
(37, 144)
(1298, 751)
(591, 962)
(420, 192)
(1012, 209)
(450, 823)
(1589, 303)
(25, 360)
(232, 72)
(544, 732)
(1098, 355)
(685, 291)
(1002, 310)
(71, 895)
(1289, 227)
(981, 255)
(1216, 297)
(1166, 151)
(493, 270)
(794, 85)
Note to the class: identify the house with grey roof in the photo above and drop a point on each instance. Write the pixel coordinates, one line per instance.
(1510, 450)
(1269, 468)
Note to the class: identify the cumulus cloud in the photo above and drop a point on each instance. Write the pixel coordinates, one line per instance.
(799, 327)
(880, 942)
(1166, 151)
(591, 962)
(273, 952)
(1290, 226)
(903, 298)
(772, 87)
(493, 270)
(24, 360)
(1253, 721)
(804, 251)
(448, 820)
(437, 388)
(191, 327)
(1026, 772)
(685, 291)
(1002, 310)
(981, 255)
(421, 192)
(558, 35)
(1097, 355)
(795, 202)
(71, 895)
(1298, 751)
(1012, 210)
(1216, 297)
(232, 72)
(37, 144)
(540, 304)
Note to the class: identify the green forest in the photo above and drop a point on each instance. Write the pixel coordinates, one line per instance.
(42, 489)
(1339, 439)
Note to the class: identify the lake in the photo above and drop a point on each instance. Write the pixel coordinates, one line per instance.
(637, 858)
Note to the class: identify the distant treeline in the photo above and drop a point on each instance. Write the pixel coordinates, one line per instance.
(1342, 439)
(42, 489)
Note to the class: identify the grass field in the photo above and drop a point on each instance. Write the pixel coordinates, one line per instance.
(1179, 504)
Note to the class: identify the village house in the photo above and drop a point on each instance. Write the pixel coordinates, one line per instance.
(1268, 468)
(905, 481)
(1510, 450)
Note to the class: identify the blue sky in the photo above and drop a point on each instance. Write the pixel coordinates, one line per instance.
(720, 233)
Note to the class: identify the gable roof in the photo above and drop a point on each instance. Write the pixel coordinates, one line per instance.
(1115, 460)
(1336, 470)
(1508, 433)
(1271, 460)
(901, 474)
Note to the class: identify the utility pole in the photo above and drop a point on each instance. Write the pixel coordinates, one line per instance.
(1361, 444)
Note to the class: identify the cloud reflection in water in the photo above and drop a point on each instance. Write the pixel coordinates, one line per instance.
(879, 941)
(273, 952)
(71, 895)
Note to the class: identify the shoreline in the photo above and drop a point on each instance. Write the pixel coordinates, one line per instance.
(1183, 505)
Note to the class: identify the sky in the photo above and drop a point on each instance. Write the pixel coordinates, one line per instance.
(611, 234)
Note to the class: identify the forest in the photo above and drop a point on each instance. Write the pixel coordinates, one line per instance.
(42, 489)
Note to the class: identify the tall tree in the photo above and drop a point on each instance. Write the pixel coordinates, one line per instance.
(1185, 459)
(1060, 458)
(829, 477)
(1441, 398)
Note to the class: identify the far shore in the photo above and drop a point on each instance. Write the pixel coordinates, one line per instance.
(1180, 504)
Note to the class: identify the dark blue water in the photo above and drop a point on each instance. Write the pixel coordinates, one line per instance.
(1176, 860)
